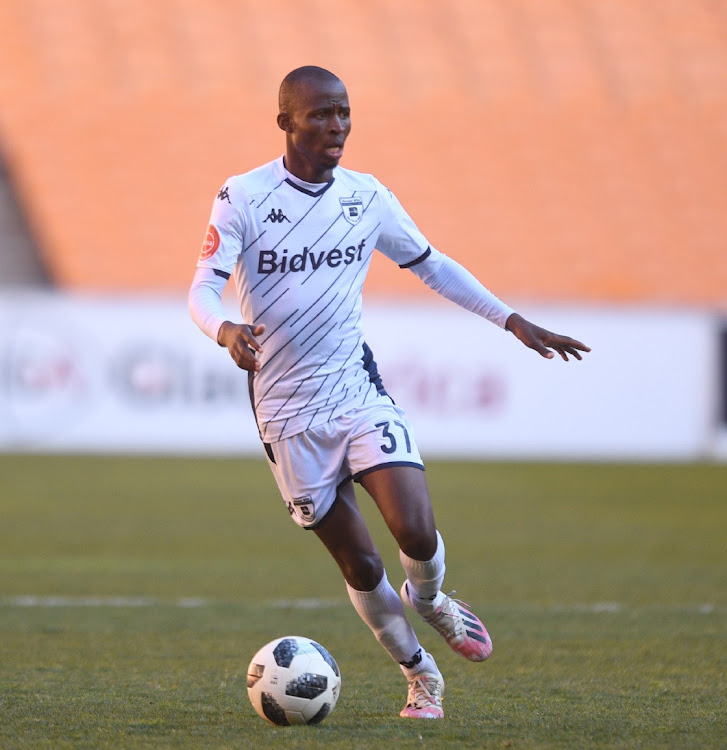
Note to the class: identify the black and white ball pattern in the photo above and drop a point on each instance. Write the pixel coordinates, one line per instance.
(293, 680)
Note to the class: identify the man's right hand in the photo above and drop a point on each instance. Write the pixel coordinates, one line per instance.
(241, 343)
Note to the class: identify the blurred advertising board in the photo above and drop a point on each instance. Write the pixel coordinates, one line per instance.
(135, 375)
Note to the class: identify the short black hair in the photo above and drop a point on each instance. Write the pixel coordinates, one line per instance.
(300, 75)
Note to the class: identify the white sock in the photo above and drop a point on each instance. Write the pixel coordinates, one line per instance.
(382, 610)
(425, 577)
(423, 663)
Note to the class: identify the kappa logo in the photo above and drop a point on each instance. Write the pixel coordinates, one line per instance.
(276, 216)
(352, 209)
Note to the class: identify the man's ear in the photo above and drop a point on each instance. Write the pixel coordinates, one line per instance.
(285, 123)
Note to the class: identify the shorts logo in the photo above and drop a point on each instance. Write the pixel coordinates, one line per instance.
(304, 508)
(210, 244)
(352, 209)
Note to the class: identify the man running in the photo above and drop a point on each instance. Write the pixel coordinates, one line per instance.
(298, 235)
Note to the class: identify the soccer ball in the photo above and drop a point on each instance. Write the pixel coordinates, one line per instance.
(293, 680)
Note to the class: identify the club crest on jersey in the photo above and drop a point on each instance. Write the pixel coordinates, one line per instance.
(352, 209)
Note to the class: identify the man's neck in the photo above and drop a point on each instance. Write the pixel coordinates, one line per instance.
(300, 172)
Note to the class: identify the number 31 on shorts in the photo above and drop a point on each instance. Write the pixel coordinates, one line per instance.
(390, 436)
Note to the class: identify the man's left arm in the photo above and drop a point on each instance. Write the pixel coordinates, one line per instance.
(456, 283)
(401, 241)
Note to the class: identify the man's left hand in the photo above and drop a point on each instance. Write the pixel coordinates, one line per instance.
(542, 341)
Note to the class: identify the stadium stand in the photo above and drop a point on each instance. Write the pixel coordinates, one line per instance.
(564, 151)
(20, 261)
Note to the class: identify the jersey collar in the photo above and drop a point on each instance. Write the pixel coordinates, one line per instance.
(314, 189)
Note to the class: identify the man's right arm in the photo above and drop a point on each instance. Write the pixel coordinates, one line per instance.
(205, 301)
(205, 307)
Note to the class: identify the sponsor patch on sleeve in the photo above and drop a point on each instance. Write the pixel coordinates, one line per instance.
(210, 244)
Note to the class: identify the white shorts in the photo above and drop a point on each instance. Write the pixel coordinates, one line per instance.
(313, 466)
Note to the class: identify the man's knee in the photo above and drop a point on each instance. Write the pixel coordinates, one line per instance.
(364, 572)
(419, 543)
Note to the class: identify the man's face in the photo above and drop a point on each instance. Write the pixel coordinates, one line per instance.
(317, 126)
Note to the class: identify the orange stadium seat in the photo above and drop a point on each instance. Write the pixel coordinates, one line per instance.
(564, 152)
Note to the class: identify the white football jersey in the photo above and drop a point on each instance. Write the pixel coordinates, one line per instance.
(299, 254)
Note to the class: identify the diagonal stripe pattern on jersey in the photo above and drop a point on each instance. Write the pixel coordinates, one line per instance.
(299, 254)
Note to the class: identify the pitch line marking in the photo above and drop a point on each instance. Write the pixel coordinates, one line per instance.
(185, 602)
(98, 601)
(193, 602)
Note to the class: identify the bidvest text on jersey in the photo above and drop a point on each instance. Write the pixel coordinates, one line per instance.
(270, 261)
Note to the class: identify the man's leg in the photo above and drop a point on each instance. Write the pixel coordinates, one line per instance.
(309, 469)
(402, 496)
(344, 533)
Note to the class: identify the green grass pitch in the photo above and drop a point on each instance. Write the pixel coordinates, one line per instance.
(133, 592)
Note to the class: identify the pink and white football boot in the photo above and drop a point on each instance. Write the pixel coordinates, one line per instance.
(451, 618)
(424, 699)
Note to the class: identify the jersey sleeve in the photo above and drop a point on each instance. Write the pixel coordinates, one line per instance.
(225, 235)
(399, 238)
(454, 282)
(205, 301)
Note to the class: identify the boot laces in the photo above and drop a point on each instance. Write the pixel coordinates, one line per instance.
(447, 616)
(423, 691)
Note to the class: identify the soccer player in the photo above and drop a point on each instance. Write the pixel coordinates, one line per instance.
(298, 235)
